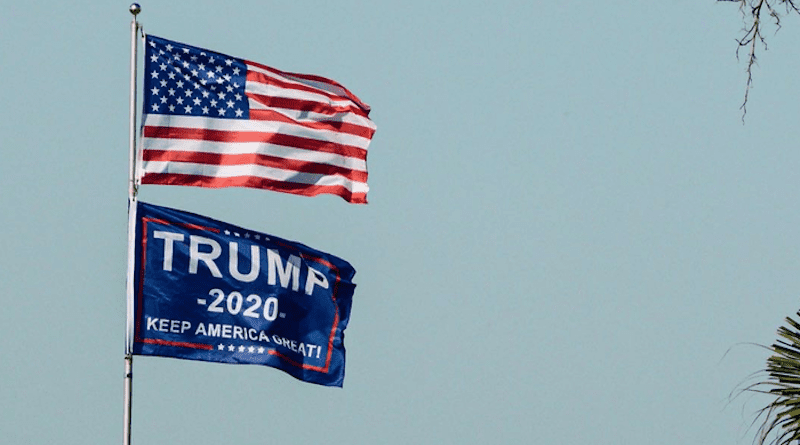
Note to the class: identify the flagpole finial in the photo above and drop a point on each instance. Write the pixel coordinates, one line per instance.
(135, 9)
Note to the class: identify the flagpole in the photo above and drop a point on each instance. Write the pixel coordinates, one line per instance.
(132, 190)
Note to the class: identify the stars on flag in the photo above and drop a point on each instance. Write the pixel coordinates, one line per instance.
(241, 348)
(248, 235)
(187, 81)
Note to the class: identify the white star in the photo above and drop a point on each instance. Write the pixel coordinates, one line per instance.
(188, 92)
(236, 71)
(238, 96)
(260, 349)
(188, 109)
(186, 50)
(154, 58)
(171, 75)
(229, 88)
(179, 101)
(171, 92)
(164, 83)
(154, 74)
(236, 234)
(220, 346)
(221, 111)
(196, 101)
(163, 99)
(213, 102)
(230, 104)
(163, 66)
(180, 84)
(221, 95)
(251, 349)
(195, 73)
(205, 110)
(257, 236)
(205, 93)
(211, 74)
(172, 108)
(241, 348)
(185, 64)
(219, 68)
(227, 232)
(231, 348)
(239, 113)
(155, 107)
(228, 62)
(155, 91)
(202, 67)
(152, 44)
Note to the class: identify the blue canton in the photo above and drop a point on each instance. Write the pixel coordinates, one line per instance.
(183, 80)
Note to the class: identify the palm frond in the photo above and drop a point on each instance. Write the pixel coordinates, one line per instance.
(780, 419)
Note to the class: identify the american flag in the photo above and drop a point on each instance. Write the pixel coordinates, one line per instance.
(212, 120)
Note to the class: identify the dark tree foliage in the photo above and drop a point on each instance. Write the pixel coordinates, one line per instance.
(756, 14)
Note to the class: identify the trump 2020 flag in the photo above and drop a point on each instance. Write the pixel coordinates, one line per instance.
(212, 120)
(211, 291)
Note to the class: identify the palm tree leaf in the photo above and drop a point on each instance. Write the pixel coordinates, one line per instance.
(781, 380)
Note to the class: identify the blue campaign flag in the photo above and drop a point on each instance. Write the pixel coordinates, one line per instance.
(211, 291)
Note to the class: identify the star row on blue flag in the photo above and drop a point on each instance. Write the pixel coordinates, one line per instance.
(241, 348)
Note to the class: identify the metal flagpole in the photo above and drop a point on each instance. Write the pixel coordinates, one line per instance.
(132, 190)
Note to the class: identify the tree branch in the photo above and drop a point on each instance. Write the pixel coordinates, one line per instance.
(753, 32)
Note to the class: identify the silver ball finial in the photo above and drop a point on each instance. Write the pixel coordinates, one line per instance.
(135, 8)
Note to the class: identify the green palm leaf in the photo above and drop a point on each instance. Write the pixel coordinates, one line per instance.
(781, 418)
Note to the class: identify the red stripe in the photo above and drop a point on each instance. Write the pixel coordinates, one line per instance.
(138, 313)
(328, 125)
(254, 182)
(167, 223)
(333, 329)
(205, 134)
(326, 106)
(255, 159)
(304, 105)
(180, 344)
(298, 364)
(313, 78)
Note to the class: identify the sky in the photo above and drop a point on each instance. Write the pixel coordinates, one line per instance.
(572, 237)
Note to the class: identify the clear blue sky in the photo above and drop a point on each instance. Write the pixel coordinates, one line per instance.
(569, 225)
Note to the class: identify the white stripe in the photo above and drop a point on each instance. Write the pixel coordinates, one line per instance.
(232, 171)
(271, 90)
(255, 87)
(241, 125)
(310, 116)
(237, 148)
(319, 85)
